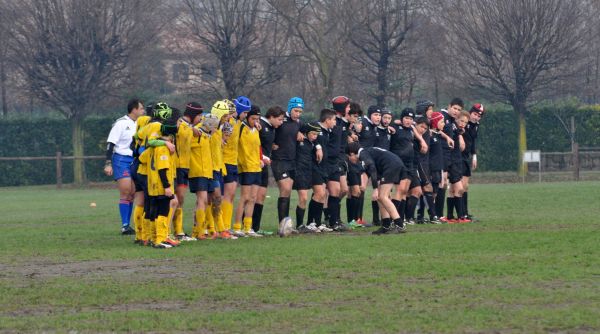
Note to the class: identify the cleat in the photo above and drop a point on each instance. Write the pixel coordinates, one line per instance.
(127, 230)
(171, 242)
(303, 229)
(146, 243)
(411, 221)
(162, 245)
(313, 228)
(227, 235)
(138, 242)
(253, 234)
(464, 220)
(364, 223)
(185, 237)
(202, 236)
(382, 230)
(420, 220)
(354, 224)
(323, 228)
(265, 233)
(435, 220)
(341, 227)
(398, 229)
(213, 236)
(452, 221)
(239, 234)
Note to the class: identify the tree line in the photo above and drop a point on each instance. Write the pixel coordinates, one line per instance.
(82, 57)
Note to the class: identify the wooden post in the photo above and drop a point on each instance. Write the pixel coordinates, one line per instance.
(59, 169)
(575, 151)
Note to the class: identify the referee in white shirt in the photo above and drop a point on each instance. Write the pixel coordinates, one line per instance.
(119, 157)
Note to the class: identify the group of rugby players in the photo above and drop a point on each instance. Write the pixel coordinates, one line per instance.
(410, 161)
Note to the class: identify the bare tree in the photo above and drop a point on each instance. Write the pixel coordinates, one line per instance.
(321, 27)
(74, 53)
(247, 41)
(512, 49)
(4, 27)
(382, 28)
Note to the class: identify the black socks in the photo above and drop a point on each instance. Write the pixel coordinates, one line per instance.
(283, 207)
(257, 216)
(439, 201)
(299, 215)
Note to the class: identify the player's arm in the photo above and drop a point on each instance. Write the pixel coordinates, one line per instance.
(108, 170)
(164, 180)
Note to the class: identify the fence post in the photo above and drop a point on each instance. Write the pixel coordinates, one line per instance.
(59, 169)
(576, 166)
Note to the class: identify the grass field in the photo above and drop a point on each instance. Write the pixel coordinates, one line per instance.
(531, 265)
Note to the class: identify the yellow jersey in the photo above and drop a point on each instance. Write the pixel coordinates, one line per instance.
(201, 164)
(183, 141)
(249, 155)
(230, 150)
(144, 134)
(161, 158)
(216, 150)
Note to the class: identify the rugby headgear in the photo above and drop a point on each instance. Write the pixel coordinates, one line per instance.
(310, 127)
(227, 129)
(407, 112)
(193, 109)
(295, 102)
(242, 104)
(478, 108)
(339, 103)
(373, 110)
(254, 110)
(423, 105)
(220, 109)
(162, 111)
(210, 122)
(436, 117)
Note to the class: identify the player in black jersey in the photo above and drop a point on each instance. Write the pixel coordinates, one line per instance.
(402, 144)
(455, 128)
(454, 108)
(384, 131)
(424, 170)
(436, 155)
(336, 164)
(470, 152)
(316, 204)
(268, 125)
(283, 156)
(369, 136)
(385, 169)
(355, 199)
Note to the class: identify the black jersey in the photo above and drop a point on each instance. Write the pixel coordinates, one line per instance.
(366, 137)
(334, 147)
(382, 137)
(346, 132)
(470, 137)
(305, 156)
(402, 143)
(267, 136)
(323, 140)
(436, 154)
(422, 158)
(454, 154)
(285, 139)
(378, 162)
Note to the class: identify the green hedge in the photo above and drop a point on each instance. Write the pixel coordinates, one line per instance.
(497, 144)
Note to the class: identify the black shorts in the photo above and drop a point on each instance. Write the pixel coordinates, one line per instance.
(283, 169)
(264, 177)
(424, 174)
(414, 180)
(466, 171)
(436, 177)
(447, 161)
(303, 181)
(216, 182)
(199, 184)
(232, 174)
(159, 206)
(318, 175)
(455, 172)
(182, 177)
(354, 172)
(140, 181)
(335, 170)
(250, 179)
(391, 176)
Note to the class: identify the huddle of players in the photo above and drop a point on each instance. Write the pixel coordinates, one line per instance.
(419, 154)
(211, 153)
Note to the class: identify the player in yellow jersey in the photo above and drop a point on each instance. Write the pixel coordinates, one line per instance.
(250, 165)
(201, 169)
(146, 137)
(140, 181)
(238, 112)
(214, 214)
(161, 178)
(183, 142)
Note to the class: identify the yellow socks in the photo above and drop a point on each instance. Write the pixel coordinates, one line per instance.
(210, 220)
(247, 224)
(138, 218)
(178, 221)
(200, 223)
(162, 229)
(219, 221)
(227, 213)
(147, 230)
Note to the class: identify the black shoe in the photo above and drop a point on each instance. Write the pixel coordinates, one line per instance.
(435, 220)
(420, 220)
(127, 230)
(340, 227)
(382, 230)
(377, 223)
(398, 229)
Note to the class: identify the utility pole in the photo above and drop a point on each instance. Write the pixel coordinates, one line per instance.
(574, 150)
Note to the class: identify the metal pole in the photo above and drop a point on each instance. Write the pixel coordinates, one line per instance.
(58, 169)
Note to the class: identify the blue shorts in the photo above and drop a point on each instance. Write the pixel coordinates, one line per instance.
(182, 178)
(216, 182)
(199, 184)
(232, 174)
(251, 179)
(121, 165)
